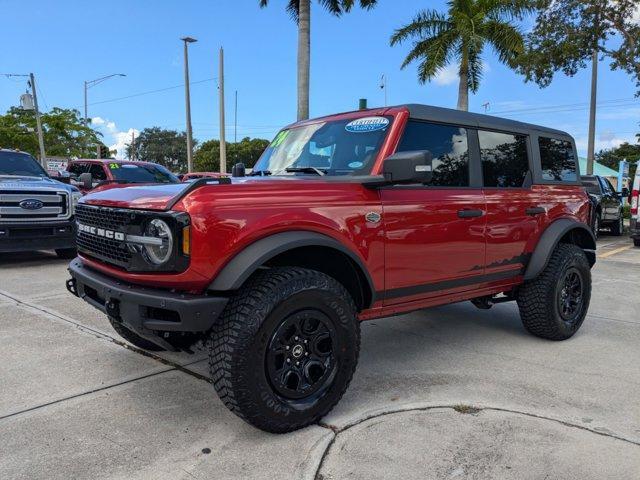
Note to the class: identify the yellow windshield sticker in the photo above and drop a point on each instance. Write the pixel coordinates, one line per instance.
(114, 166)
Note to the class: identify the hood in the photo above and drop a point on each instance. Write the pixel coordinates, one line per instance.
(12, 182)
(141, 197)
(161, 197)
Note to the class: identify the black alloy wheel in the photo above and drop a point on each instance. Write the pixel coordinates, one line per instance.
(570, 295)
(300, 360)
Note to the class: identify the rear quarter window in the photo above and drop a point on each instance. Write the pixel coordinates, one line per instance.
(557, 160)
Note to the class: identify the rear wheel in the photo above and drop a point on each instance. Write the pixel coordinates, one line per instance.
(636, 242)
(617, 227)
(285, 349)
(134, 338)
(554, 305)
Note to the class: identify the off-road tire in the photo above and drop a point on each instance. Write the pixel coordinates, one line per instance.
(538, 298)
(239, 345)
(617, 227)
(134, 338)
(636, 242)
(66, 253)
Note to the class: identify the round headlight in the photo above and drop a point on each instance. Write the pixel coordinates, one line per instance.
(160, 251)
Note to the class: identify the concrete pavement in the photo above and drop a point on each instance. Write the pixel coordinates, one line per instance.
(452, 392)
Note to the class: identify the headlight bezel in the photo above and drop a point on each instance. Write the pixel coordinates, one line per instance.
(157, 228)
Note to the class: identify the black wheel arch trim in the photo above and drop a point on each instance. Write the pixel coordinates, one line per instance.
(550, 239)
(252, 257)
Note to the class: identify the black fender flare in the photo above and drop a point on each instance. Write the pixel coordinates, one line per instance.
(550, 239)
(245, 263)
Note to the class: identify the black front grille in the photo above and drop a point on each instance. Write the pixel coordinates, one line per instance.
(102, 217)
(105, 249)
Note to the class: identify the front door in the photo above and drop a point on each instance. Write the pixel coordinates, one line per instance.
(434, 233)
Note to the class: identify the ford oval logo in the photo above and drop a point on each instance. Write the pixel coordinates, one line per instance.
(31, 204)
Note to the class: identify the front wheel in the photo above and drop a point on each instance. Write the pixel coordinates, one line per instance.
(554, 304)
(285, 348)
(617, 227)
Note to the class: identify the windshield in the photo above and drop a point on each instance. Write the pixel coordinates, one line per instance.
(20, 164)
(591, 185)
(342, 147)
(133, 173)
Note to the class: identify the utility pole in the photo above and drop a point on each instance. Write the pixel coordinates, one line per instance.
(43, 157)
(223, 145)
(187, 99)
(133, 146)
(235, 120)
(592, 112)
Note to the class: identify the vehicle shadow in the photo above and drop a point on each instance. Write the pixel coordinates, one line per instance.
(29, 259)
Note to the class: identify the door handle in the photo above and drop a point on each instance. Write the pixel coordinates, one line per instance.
(535, 211)
(467, 213)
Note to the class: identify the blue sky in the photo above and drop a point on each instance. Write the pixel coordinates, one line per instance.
(66, 42)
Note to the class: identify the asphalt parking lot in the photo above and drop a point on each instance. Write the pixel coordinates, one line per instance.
(453, 392)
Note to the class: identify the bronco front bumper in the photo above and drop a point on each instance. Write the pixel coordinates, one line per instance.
(150, 312)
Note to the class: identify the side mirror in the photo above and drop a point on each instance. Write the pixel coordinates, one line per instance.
(86, 180)
(625, 192)
(408, 167)
(238, 170)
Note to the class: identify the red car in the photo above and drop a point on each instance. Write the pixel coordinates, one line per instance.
(109, 173)
(344, 218)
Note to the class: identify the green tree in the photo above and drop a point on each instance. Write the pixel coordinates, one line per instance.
(300, 11)
(247, 151)
(460, 35)
(611, 157)
(165, 147)
(567, 32)
(64, 133)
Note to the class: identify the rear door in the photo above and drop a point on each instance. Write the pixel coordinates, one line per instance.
(434, 232)
(516, 210)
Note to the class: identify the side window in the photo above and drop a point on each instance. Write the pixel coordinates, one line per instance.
(97, 172)
(610, 186)
(448, 146)
(504, 159)
(78, 168)
(557, 159)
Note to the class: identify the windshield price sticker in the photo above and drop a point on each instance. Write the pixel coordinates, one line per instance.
(367, 124)
(114, 166)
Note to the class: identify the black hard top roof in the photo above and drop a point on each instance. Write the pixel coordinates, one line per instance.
(458, 117)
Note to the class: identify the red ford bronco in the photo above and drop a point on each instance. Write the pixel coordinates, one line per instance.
(344, 218)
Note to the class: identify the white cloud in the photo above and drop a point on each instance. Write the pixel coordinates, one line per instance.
(122, 139)
(447, 75)
(604, 140)
(115, 138)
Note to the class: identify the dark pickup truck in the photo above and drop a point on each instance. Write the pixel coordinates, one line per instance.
(606, 204)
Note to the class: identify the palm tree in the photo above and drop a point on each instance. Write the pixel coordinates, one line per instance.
(300, 11)
(460, 35)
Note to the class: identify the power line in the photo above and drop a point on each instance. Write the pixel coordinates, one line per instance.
(150, 92)
(572, 106)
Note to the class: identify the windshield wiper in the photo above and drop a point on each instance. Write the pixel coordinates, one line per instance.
(315, 170)
(261, 173)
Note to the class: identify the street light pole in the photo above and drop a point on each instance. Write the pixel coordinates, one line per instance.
(187, 99)
(90, 83)
(223, 140)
